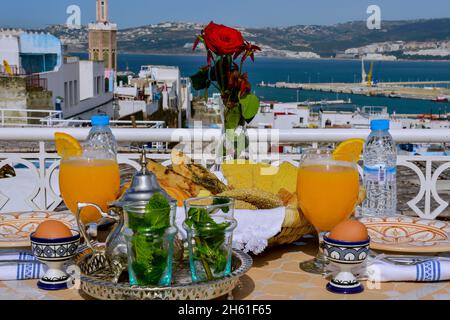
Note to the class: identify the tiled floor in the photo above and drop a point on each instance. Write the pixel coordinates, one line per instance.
(275, 275)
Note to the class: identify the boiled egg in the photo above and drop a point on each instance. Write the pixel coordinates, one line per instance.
(349, 231)
(52, 229)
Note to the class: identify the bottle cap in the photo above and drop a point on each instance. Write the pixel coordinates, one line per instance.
(379, 125)
(100, 120)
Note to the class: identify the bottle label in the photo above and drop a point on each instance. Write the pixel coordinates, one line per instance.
(380, 174)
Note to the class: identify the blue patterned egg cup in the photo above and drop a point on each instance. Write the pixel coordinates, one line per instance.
(346, 256)
(55, 253)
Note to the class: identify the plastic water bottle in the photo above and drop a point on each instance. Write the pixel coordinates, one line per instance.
(380, 171)
(101, 143)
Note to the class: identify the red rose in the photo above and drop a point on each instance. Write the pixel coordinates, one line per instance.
(223, 40)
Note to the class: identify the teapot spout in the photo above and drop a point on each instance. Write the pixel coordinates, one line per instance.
(90, 230)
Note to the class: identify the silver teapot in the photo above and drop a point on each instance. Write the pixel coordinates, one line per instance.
(143, 186)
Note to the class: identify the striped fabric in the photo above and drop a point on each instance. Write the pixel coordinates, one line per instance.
(29, 269)
(428, 271)
(15, 265)
(23, 265)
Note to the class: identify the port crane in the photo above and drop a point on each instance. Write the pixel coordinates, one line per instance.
(370, 76)
(367, 78)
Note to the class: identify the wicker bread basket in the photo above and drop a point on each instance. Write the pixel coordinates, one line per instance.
(294, 227)
(295, 224)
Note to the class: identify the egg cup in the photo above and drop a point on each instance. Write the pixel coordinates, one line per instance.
(54, 253)
(346, 256)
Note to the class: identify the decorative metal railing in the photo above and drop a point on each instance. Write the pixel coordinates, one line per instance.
(41, 191)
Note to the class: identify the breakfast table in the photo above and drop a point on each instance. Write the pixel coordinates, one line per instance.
(276, 272)
(275, 275)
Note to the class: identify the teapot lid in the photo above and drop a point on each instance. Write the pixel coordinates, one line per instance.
(143, 186)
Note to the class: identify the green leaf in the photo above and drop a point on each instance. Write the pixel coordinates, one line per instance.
(250, 106)
(150, 260)
(232, 118)
(219, 201)
(200, 80)
(209, 241)
(157, 213)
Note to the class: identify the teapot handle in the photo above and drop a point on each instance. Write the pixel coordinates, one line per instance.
(82, 226)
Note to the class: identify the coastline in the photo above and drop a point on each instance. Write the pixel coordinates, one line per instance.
(280, 67)
(200, 54)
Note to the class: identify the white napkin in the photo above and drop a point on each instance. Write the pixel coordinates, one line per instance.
(20, 266)
(255, 227)
(431, 270)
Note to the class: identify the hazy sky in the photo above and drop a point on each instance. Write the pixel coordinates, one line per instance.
(256, 13)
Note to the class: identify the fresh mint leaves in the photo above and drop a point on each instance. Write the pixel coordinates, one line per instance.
(156, 216)
(148, 243)
(209, 238)
(150, 262)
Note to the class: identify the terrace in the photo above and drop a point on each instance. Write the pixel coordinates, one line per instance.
(275, 273)
(431, 200)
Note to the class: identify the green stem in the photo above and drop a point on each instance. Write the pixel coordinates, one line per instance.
(205, 263)
(242, 65)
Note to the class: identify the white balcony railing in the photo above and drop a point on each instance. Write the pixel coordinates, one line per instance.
(36, 185)
(23, 117)
(15, 118)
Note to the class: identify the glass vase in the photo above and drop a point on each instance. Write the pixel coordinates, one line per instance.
(209, 226)
(234, 142)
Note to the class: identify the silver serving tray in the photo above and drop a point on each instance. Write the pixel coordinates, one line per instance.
(96, 282)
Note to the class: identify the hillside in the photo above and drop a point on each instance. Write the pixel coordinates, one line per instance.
(300, 40)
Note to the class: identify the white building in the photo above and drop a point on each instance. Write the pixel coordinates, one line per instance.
(343, 119)
(186, 96)
(9, 48)
(282, 116)
(129, 101)
(81, 86)
(156, 87)
(168, 81)
(91, 79)
(30, 52)
(77, 88)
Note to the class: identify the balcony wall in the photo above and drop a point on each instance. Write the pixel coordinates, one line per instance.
(40, 190)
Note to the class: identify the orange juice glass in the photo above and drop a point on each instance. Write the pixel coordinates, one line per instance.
(327, 193)
(89, 180)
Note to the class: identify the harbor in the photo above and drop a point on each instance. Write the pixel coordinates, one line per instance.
(404, 90)
(430, 90)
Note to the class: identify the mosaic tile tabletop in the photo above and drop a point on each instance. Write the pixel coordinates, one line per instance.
(275, 275)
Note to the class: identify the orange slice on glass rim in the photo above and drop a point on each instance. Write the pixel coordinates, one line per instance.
(349, 150)
(67, 146)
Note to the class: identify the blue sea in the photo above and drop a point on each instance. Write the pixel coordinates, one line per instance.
(272, 70)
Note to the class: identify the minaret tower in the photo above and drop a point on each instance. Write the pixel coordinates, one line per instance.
(102, 11)
(103, 38)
